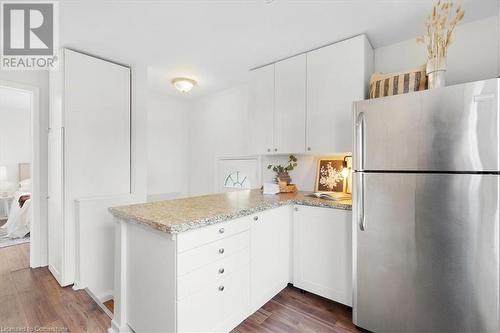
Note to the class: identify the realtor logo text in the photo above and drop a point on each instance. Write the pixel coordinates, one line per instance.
(28, 35)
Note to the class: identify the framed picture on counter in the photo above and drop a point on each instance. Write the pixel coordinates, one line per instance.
(329, 176)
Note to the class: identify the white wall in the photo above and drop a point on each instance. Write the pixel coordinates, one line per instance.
(303, 175)
(474, 54)
(15, 131)
(217, 126)
(167, 147)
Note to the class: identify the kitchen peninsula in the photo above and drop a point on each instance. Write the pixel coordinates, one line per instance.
(206, 263)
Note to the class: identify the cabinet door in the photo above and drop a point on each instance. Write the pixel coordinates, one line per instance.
(97, 120)
(290, 105)
(261, 110)
(94, 111)
(335, 79)
(269, 255)
(322, 246)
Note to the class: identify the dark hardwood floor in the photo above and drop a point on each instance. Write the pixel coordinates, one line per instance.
(294, 311)
(32, 297)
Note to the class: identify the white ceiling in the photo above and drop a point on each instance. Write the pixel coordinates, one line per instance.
(217, 42)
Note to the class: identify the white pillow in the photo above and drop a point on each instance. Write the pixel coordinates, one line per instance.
(25, 185)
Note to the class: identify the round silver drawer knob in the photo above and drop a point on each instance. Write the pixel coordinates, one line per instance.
(221, 288)
(221, 251)
(221, 270)
(275, 149)
(221, 230)
(309, 148)
(255, 218)
(268, 150)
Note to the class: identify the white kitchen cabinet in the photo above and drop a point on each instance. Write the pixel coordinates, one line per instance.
(269, 255)
(304, 103)
(89, 147)
(277, 107)
(210, 279)
(322, 252)
(261, 106)
(290, 105)
(337, 75)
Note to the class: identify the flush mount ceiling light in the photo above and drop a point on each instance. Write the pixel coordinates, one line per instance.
(183, 84)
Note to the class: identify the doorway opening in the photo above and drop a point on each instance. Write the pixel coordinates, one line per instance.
(19, 169)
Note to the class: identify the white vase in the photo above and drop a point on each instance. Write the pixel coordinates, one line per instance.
(436, 72)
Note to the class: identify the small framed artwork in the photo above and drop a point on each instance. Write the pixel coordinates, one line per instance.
(329, 176)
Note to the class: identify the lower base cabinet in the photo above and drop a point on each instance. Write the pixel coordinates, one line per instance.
(322, 252)
(269, 255)
(218, 308)
(211, 279)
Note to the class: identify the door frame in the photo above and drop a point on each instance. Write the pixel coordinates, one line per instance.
(38, 230)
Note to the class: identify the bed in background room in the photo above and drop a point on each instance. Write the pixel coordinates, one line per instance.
(16, 229)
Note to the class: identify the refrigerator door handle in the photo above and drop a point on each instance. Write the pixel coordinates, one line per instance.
(360, 140)
(360, 190)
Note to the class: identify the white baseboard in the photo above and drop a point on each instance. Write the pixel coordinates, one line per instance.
(100, 302)
(55, 273)
(116, 329)
(106, 296)
(77, 285)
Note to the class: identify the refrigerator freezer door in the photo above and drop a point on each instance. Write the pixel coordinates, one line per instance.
(428, 258)
(454, 128)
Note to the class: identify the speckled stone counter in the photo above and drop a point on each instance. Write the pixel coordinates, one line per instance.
(175, 216)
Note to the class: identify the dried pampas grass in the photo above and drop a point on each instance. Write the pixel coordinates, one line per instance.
(440, 26)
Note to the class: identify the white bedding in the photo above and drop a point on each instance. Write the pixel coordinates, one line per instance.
(18, 223)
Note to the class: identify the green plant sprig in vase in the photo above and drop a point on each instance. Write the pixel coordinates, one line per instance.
(282, 170)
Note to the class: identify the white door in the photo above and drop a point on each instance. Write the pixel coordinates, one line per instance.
(95, 115)
(322, 249)
(335, 79)
(269, 256)
(55, 202)
(290, 105)
(261, 110)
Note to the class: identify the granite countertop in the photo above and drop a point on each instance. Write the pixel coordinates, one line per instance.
(175, 216)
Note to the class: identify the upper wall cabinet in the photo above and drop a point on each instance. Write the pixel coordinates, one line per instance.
(337, 75)
(290, 105)
(261, 102)
(277, 104)
(304, 103)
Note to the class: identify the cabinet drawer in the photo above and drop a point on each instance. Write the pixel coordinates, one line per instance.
(192, 239)
(191, 260)
(193, 282)
(217, 308)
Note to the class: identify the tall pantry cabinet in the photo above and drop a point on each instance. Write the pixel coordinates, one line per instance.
(89, 146)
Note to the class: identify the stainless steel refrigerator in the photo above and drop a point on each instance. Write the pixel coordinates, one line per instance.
(426, 211)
